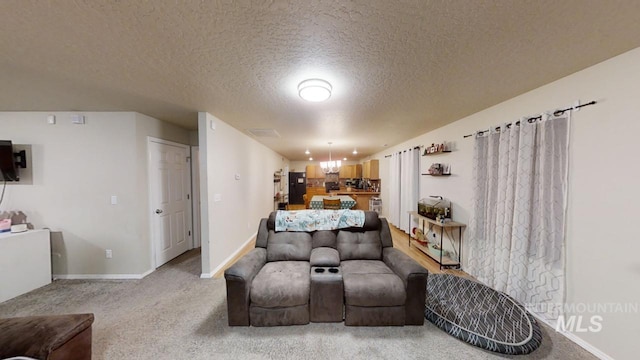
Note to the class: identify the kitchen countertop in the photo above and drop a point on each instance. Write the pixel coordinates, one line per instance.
(355, 192)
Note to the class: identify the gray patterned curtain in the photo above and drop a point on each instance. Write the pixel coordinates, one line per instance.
(516, 242)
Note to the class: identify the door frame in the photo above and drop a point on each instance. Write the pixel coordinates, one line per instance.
(196, 235)
(150, 205)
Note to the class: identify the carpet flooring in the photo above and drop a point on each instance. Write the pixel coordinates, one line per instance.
(173, 314)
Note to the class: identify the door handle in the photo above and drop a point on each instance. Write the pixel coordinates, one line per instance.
(158, 211)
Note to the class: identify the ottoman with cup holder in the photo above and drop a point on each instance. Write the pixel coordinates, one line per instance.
(326, 294)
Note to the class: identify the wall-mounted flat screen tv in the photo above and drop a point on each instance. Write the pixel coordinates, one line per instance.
(8, 169)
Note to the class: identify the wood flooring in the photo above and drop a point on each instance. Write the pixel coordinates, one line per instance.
(401, 242)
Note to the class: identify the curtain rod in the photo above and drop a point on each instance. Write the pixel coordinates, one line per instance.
(536, 118)
(400, 152)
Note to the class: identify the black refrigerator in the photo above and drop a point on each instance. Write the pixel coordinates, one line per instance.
(297, 187)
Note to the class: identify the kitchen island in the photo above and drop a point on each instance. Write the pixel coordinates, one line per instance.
(362, 197)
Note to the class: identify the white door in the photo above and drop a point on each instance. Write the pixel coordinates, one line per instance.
(170, 186)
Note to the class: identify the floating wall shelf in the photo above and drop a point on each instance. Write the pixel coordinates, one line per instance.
(436, 153)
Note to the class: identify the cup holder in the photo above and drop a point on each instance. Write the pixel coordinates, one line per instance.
(319, 270)
(333, 270)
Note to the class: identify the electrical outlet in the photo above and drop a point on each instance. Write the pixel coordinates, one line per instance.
(108, 253)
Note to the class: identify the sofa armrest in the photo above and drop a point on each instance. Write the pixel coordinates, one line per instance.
(238, 278)
(414, 277)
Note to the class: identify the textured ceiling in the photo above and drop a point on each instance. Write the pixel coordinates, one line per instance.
(398, 68)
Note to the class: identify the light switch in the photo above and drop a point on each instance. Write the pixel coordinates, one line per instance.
(114, 200)
(237, 176)
(51, 119)
(217, 197)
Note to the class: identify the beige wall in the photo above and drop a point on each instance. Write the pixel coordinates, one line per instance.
(602, 250)
(231, 222)
(76, 170)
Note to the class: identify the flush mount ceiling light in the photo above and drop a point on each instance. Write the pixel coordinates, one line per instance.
(314, 90)
(355, 152)
(307, 152)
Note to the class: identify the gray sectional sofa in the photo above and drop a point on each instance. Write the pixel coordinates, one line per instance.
(292, 278)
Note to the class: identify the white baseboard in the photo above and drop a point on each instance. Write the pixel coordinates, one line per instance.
(101, 276)
(574, 338)
(228, 259)
(585, 345)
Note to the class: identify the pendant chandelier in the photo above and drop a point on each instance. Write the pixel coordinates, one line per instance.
(330, 166)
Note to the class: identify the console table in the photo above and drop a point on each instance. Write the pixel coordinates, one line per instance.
(443, 261)
(25, 262)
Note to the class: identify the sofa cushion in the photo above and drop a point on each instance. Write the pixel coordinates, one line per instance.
(365, 267)
(359, 245)
(324, 256)
(288, 246)
(324, 238)
(371, 283)
(281, 284)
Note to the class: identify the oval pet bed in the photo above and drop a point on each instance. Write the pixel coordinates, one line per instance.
(480, 315)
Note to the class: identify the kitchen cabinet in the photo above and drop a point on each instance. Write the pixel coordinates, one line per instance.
(370, 169)
(374, 169)
(311, 171)
(351, 171)
(357, 171)
(314, 172)
(345, 172)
